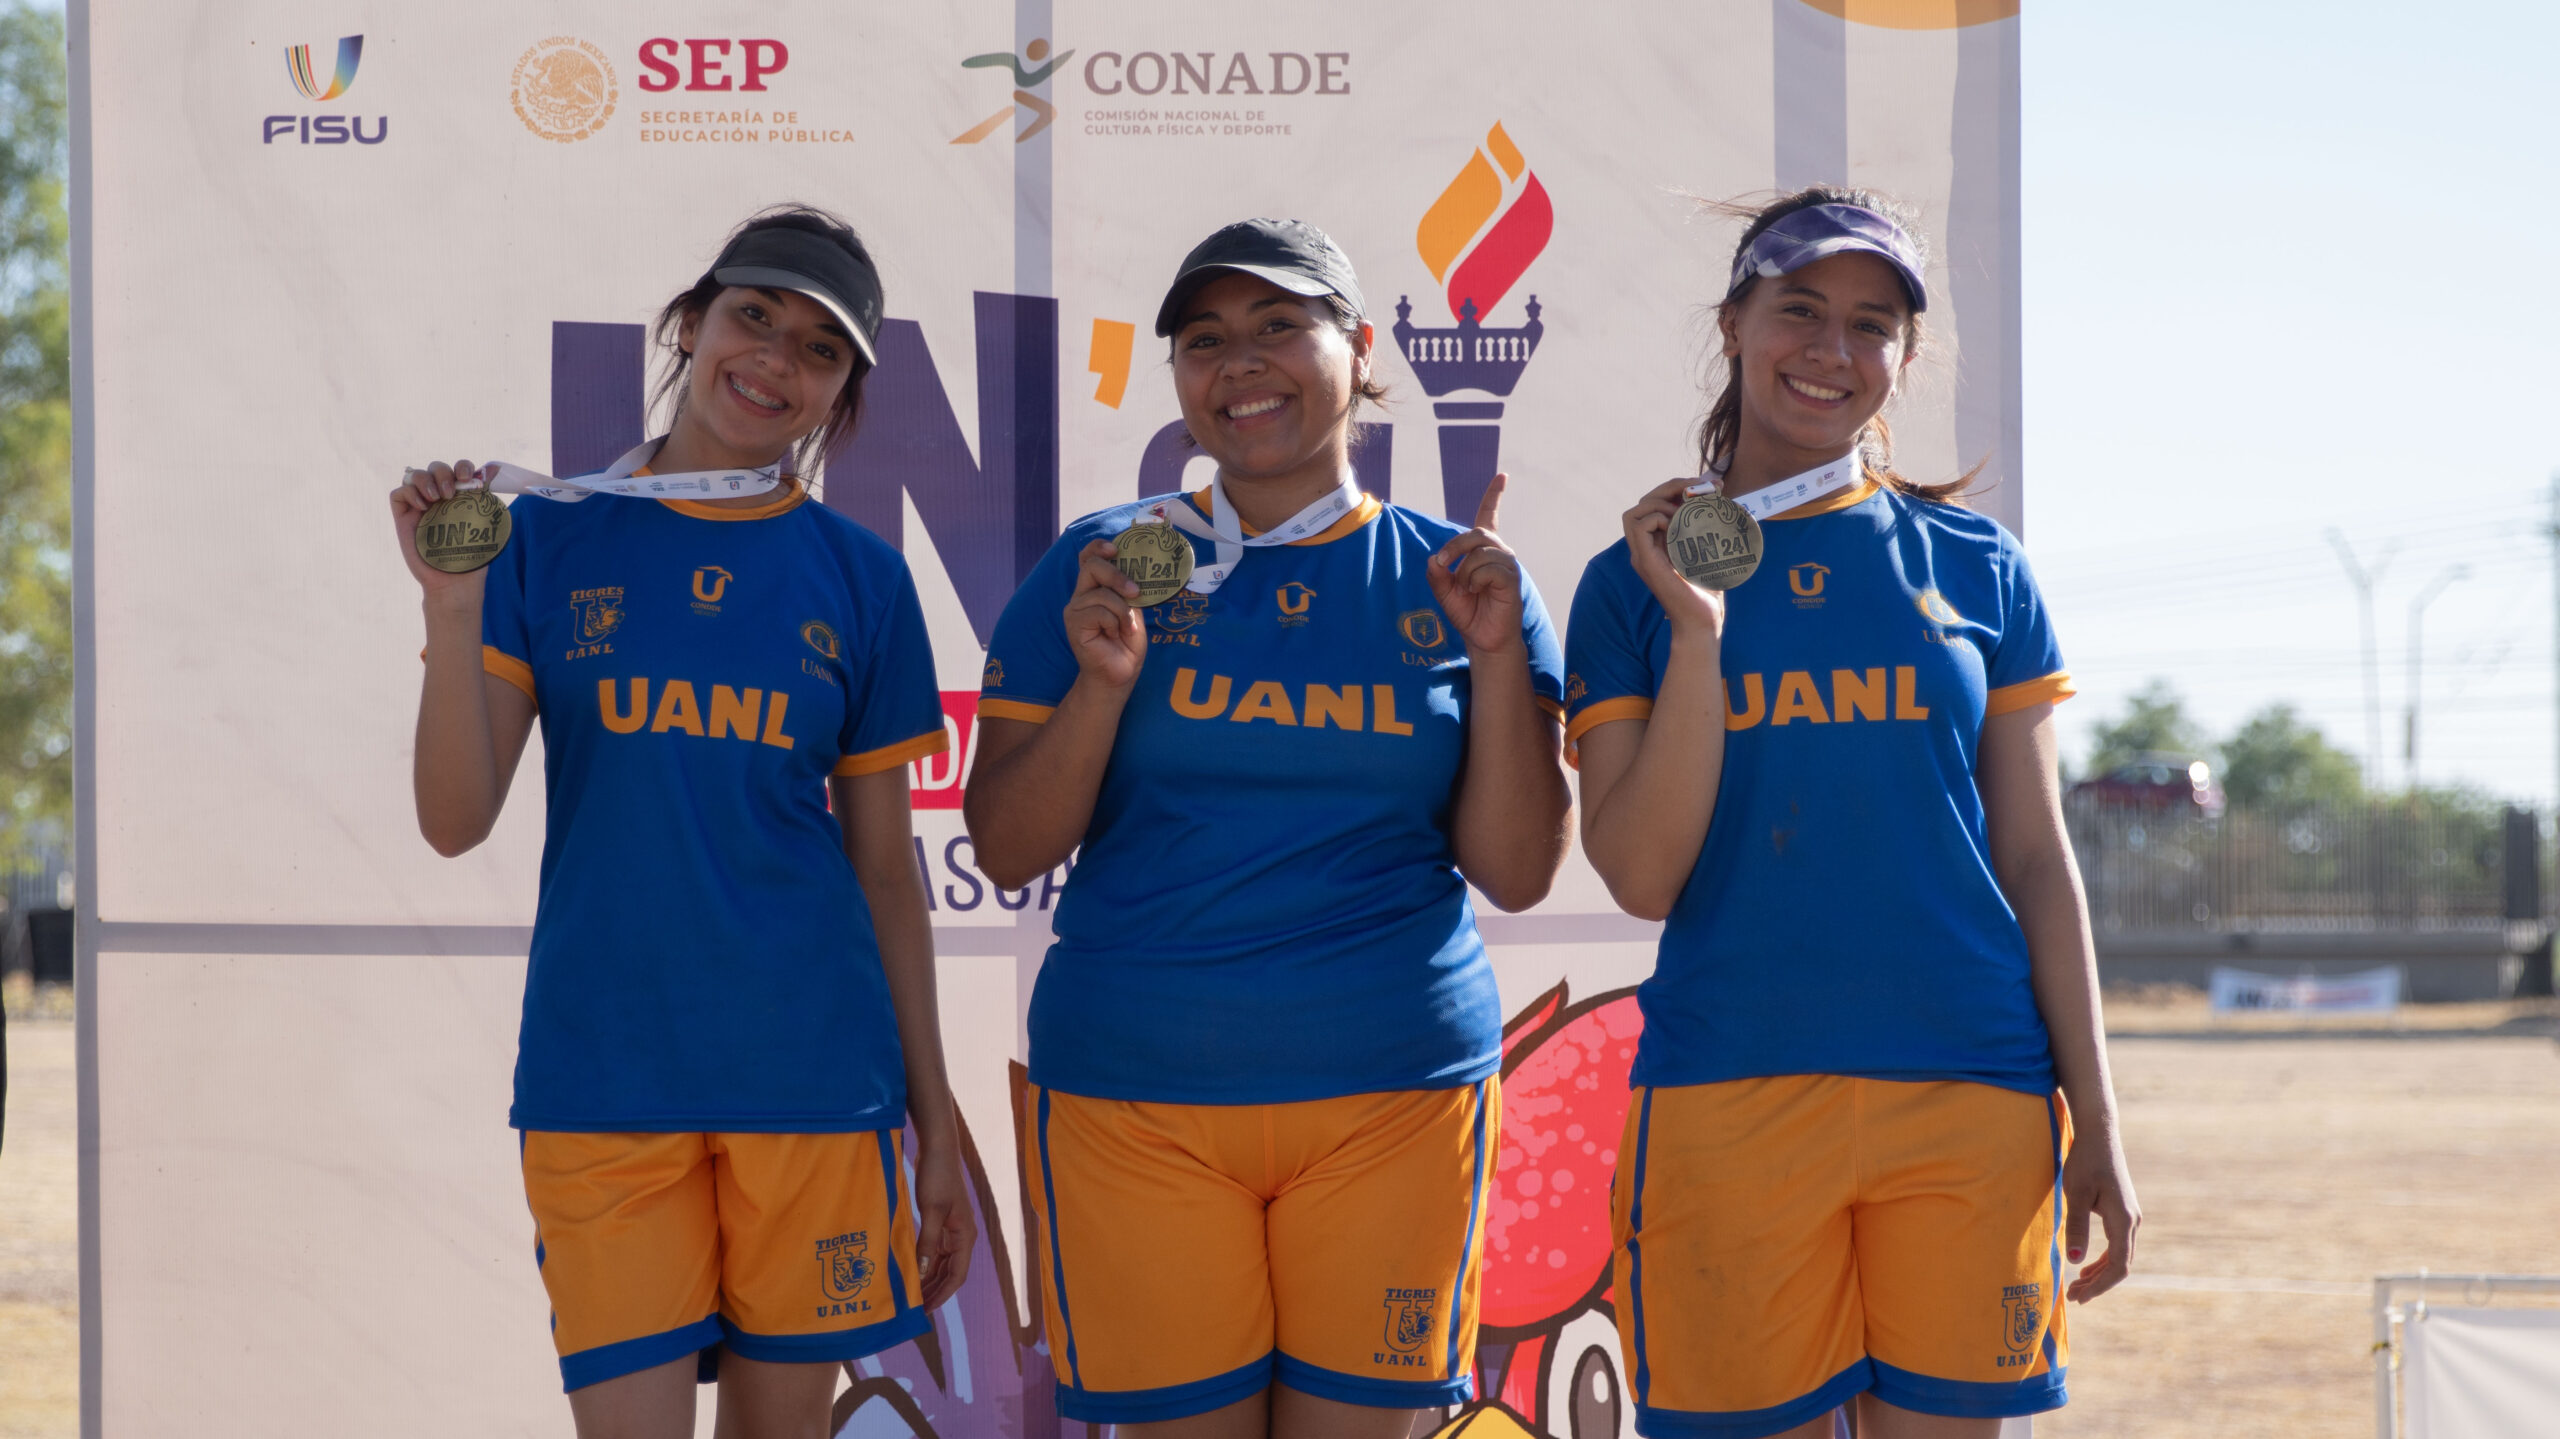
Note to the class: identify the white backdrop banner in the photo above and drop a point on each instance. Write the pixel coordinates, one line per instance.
(2469, 1372)
(318, 242)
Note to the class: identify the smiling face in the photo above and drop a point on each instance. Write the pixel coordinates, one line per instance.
(1819, 351)
(1267, 379)
(767, 368)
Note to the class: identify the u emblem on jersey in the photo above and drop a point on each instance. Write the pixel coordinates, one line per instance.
(1805, 581)
(1294, 599)
(710, 582)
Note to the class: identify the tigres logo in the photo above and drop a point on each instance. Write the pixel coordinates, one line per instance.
(599, 612)
(845, 1266)
(1409, 1318)
(2026, 1316)
(1184, 611)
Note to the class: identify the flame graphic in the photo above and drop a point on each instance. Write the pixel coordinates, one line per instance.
(1459, 216)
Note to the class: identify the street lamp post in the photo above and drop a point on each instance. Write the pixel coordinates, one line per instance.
(2417, 649)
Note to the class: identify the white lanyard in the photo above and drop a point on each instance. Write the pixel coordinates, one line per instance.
(1227, 529)
(1788, 493)
(618, 479)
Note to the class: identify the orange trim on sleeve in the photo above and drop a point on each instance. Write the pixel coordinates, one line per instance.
(1015, 710)
(2007, 699)
(507, 667)
(892, 756)
(1622, 708)
(1554, 708)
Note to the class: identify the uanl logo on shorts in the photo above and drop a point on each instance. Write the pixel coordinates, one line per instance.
(1411, 1318)
(2024, 1325)
(321, 86)
(845, 1269)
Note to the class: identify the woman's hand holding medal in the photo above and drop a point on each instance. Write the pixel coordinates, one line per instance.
(416, 495)
(1476, 579)
(1692, 608)
(1103, 627)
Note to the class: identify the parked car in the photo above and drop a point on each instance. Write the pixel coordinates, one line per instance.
(2156, 781)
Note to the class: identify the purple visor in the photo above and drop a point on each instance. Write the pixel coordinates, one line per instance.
(1819, 232)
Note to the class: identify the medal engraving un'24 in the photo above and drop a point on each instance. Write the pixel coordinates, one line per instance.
(463, 532)
(1714, 542)
(1156, 558)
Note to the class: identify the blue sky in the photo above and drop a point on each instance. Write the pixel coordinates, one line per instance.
(2289, 268)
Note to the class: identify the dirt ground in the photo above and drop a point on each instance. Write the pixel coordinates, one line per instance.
(2271, 1158)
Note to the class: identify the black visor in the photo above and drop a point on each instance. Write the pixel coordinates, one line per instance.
(1291, 254)
(813, 265)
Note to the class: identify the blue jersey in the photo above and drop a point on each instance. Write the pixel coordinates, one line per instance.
(1842, 917)
(703, 958)
(1266, 907)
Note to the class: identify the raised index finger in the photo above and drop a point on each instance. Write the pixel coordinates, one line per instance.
(1492, 501)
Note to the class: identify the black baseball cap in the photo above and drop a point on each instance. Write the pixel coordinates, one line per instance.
(1291, 254)
(782, 258)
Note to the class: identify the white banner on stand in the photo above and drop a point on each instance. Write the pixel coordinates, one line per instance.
(317, 243)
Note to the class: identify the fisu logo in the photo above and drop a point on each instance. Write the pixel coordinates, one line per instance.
(319, 89)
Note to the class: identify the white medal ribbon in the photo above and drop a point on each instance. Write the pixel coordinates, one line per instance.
(1227, 529)
(1788, 493)
(618, 479)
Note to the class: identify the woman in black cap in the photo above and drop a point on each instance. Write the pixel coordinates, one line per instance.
(1288, 724)
(729, 1011)
(1813, 702)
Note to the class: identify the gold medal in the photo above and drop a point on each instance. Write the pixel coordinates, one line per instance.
(463, 533)
(1714, 543)
(1156, 558)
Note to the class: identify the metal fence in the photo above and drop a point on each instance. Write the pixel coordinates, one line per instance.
(2388, 867)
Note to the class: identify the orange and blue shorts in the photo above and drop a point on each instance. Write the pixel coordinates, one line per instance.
(1789, 1242)
(787, 1248)
(1191, 1255)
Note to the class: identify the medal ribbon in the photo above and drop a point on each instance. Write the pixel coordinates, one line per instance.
(618, 479)
(1788, 493)
(1227, 529)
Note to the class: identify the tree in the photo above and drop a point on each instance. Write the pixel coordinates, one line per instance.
(2276, 760)
(2154, 721)
(35, 435)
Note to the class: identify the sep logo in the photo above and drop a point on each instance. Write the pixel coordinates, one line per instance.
(319, 87)
(845, 1266)
(2026, 1320)
(1410, 1321)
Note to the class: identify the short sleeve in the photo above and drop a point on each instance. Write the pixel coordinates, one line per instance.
(893, 713)
(2025, 667)
(1030, 667)
(1546, 650)
(1609, 673)
(506, 634)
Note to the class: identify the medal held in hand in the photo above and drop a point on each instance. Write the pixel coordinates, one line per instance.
(463, 532)
(1156, 558)
(1714, 543)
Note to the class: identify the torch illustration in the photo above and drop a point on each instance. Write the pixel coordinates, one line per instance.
(1477, 238)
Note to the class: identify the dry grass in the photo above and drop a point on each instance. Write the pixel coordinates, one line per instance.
(2329, 1153)
(39, 1238)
